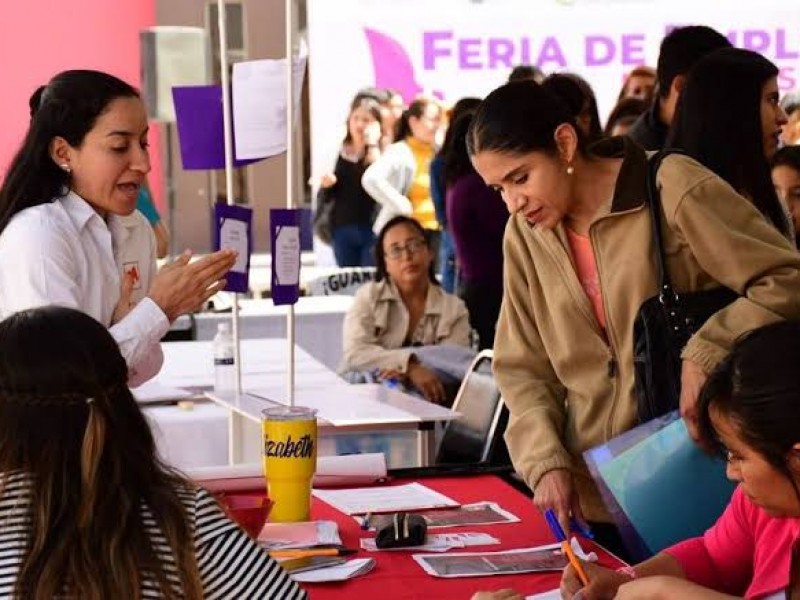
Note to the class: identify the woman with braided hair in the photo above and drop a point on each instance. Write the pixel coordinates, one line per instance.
(87, 509)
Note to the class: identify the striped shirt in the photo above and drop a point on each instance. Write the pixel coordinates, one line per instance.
(231, 565)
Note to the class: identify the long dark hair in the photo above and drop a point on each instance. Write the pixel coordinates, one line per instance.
(368, 104)
(67, 107)
(69, 422)
(579, 97)
(415, 109)
(380, 255)
(718, 123)
(520, 117)
(757, 387)
(456, 159)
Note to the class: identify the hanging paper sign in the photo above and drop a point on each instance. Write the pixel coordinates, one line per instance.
(234, 230)
(285, 236)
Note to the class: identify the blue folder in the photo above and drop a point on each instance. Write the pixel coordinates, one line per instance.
(659, 487)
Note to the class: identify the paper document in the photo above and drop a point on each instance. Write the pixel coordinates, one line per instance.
(350, 569)
(152, 391)
(437, 542)
(551, 595)
(387, 499)
(352, 469)
(259, 105)
(280, 536)
(478, 513)
(342, 404)
(522, 560)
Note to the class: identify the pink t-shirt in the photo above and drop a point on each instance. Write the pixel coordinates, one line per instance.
(746, 552)
(586, 267)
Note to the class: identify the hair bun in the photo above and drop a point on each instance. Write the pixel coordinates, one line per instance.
(35, 100)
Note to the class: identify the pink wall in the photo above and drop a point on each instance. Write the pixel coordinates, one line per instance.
(41, 37)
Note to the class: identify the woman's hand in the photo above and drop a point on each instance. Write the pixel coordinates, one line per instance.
(506, 594)
(181, 287)
(327, 180)
(426, 382)
(603, 583)
(124, 304)
(555, 491)
(692, 380)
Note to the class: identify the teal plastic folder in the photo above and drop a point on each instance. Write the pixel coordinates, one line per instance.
(659, 487)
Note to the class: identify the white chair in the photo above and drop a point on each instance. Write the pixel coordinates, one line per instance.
(476, 437)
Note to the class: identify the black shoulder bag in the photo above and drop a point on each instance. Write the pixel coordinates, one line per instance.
(665, 322)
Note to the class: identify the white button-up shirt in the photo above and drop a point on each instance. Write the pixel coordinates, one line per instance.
(64, 253)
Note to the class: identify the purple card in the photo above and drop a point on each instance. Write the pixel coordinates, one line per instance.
(234, 229)
(198, 112)
(284, 227)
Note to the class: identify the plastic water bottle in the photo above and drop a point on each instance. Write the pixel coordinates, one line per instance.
(224, 363)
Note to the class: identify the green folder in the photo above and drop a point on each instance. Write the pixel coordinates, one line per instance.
(658, 485)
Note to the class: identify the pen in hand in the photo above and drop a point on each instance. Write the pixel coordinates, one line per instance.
(559, 534)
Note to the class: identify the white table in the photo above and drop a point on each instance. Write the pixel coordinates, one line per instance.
(343, 409)
(318, 324)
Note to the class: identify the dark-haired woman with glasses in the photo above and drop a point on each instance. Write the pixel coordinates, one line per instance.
(404, 308)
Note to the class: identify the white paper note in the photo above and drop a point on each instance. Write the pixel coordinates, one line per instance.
(551, 595)
(287, 255)
(386, 499)
(259, 105)
(233, 236)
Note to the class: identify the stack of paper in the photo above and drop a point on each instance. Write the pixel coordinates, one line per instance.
(388, 499)
(281, 536)
(350, 569)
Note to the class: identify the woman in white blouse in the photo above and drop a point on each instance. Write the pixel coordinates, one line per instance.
(69, 232)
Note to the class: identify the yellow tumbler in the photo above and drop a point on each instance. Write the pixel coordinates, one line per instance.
(290, 460)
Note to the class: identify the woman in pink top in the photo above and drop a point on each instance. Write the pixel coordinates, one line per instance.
(749, 409)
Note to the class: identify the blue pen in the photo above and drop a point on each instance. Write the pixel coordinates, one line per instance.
(578, 527)
(574, 525)
(555, 526)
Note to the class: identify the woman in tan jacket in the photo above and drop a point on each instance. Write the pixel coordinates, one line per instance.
(579, 264)
(404, 308)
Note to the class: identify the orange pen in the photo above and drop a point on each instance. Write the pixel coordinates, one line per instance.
(576, 564)
(289, 553)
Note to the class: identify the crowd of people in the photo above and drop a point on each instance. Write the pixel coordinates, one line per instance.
(526, 223)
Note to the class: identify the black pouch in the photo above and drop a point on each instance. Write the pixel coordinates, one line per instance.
(400, 530)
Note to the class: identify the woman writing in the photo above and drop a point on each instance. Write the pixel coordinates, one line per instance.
(579, 264)
(68, 231)
(749, 411)
(403, 308)
(87, 508)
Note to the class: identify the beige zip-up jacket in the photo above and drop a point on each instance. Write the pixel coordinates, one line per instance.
(568, 386)
(376, 325)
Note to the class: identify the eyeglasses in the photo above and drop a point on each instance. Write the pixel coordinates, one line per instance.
(396, 251)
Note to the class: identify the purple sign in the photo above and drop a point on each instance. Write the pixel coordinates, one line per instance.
(198, 112)
(234, 230)
(284, 227)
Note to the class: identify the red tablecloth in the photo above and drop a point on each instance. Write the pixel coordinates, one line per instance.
(397, 576)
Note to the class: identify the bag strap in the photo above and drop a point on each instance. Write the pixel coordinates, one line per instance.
(666, 293)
